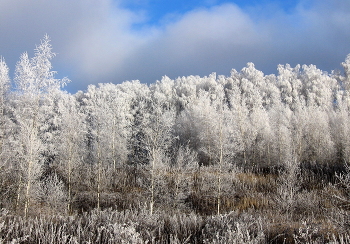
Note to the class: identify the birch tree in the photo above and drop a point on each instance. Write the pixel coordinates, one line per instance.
(240, 106)
(70, 143)
(109, 123)
(159, 137)
(96, 119)
(4, 86)
(34, 80)
(5, 127)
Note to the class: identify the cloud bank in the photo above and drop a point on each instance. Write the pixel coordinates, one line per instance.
(96, 40)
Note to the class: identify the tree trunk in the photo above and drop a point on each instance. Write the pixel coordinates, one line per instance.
(220, 169)
(69, 179)
(152, 180)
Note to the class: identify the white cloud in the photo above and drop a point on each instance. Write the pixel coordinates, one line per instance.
(92, 36)
(198, 41)
(96, 40)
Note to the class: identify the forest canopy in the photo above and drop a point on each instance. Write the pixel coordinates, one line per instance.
(299, 114)
(55, 145)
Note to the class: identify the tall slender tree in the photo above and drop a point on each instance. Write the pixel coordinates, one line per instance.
(4, 86)
(34, 80)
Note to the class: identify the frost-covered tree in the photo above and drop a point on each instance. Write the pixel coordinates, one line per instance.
(339, 117)
(5, 129)
(70, 142)
(226, 148)
(185, 167)
(159, 138)
(197, 126)
(346, 78)
(138, 96)
(290, 85)
(241, 104)
(262, 146)
(109, 127)
(111, 108)
(27, 115)
(340, 128)
(119, 124)
(97, 117)
(299, 120)
(34, 81)
(317, 135)
(280, 147)
(52, 191)
(186, 90)
(208, 126)
(319, 88)
(4, 87)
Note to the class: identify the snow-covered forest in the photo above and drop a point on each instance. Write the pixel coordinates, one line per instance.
(247, 157)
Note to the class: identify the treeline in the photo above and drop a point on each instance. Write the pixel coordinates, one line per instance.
(191, 143)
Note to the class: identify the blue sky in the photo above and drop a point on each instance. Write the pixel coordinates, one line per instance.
(101, 41)
(157, 10)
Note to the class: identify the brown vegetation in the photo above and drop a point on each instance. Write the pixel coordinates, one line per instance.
(252, 208)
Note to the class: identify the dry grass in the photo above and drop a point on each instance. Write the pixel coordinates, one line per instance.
(256, 203)
(251, 208)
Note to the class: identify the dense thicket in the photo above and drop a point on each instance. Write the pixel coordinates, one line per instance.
(191, 144)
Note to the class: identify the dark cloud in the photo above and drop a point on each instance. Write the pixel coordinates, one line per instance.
(96, 40)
